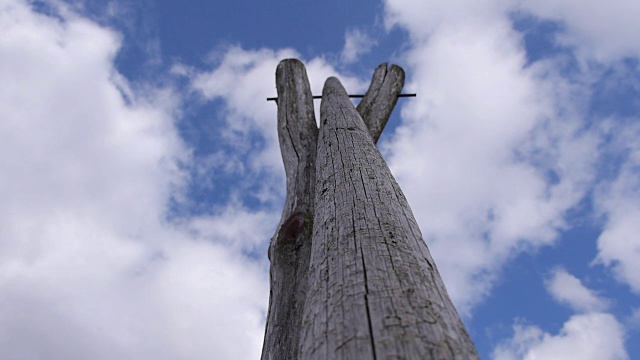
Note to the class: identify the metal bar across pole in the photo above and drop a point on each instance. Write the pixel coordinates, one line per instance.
(351, 96)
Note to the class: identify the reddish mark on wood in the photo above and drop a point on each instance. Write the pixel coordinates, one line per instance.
(293, 226)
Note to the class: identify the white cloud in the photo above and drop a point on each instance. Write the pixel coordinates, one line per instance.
(568, 289)
(506, 147)
(356, 44)
(422, 18)
(594, 336)
(604, 31)
(89, 267)
(633, 322)
(492, 153)
(230, 227)
(618, 200)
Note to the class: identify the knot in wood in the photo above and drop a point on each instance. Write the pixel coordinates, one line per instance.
(292, 227)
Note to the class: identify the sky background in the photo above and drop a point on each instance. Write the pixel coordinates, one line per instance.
(141, 178)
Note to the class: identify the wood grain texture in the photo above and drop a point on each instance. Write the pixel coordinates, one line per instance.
(381, 98)
(374, 291)
(291, 245)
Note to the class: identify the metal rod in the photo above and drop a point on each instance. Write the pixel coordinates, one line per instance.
(351, 96)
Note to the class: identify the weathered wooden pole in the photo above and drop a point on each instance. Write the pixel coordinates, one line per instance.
(351, 276)
(291, 245)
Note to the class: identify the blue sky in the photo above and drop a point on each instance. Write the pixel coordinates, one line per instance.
(142, 178)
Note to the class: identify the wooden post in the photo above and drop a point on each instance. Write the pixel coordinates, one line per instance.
(358, 281)
(378, 103)
(291, 245)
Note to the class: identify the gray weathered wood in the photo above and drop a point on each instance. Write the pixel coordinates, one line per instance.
(351, 277)
(290, 247)
(374, 291)
(381, 98)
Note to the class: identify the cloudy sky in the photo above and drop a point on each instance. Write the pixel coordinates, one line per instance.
(141, 179)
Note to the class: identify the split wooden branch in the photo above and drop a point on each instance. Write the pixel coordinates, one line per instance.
(290, 247)
(381, 98)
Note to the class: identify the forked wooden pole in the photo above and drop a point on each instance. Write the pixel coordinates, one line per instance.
(381, 98)
(290, 247)
(351, 276)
